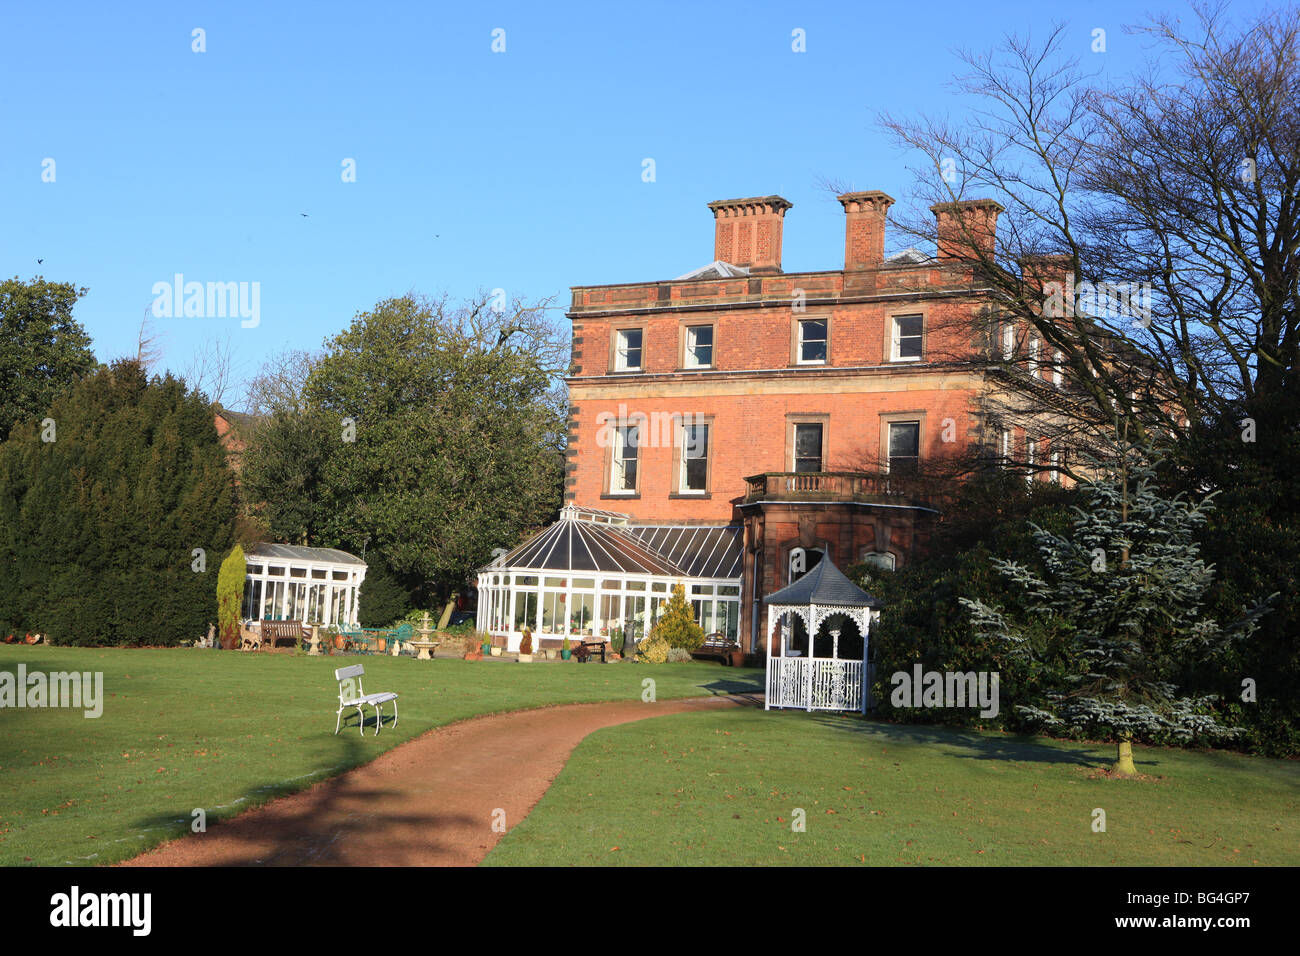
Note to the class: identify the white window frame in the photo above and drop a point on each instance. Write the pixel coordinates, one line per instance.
(826, 342)
(618, 463)
(691, 357)
(621, 349)
(896, 338)
(1008, 341)
(1058, 372)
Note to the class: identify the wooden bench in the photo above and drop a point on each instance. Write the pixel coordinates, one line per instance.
(717, 645)
(352, 694)
(269, 633)
(275, 631)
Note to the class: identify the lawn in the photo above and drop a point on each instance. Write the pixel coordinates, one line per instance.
(722, 789)
(185, 729)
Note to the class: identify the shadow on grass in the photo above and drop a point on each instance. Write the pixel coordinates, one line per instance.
(979, 746)
(337, 820)
(751, 688)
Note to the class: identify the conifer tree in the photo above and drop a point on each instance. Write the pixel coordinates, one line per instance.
(677, 625)
(230, 596)
(1116, 607)
(109, 515)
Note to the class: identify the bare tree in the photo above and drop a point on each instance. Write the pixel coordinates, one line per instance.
(147, 348)
(1143, 272)
(212, 369)
(280, 384)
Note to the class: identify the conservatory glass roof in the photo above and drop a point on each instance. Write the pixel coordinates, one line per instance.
(295, 552)
(601, 542)
(572, 544)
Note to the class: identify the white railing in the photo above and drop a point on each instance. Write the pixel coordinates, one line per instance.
(814, 684)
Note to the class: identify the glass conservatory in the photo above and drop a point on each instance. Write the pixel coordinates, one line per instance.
(288, 582)
(592, 576)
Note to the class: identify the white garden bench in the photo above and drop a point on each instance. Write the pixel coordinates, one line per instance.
(352, 694)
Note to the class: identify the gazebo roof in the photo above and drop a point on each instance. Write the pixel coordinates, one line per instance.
(824, 585)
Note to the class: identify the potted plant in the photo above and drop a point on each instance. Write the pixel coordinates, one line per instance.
(616, 641)
(526, 647)
(487, 643)
(473, 647)
(565, 651)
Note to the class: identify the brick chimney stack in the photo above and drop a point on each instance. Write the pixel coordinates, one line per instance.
(965, 227)
(864, 229)
(748, 232)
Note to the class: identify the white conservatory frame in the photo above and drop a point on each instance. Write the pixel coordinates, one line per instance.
(589, 604)
(605, 600)
(313, 585)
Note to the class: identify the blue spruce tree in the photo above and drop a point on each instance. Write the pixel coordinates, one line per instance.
(1115, 609)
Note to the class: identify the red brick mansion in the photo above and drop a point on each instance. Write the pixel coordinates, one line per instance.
(737, 414)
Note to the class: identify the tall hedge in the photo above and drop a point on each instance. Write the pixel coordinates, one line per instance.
(111, 533)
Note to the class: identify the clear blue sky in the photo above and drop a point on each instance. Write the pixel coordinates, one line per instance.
(474, 170)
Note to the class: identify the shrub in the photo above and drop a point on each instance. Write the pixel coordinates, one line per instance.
(581, 653)
(678, 655)
(653, 650)
(383, 599)
(677, 624)
(616, 640)
(526, 642)
(230, 595)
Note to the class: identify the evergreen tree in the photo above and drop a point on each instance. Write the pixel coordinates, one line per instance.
(676, 626)
(108, 521)
(1116, 607)
(230, 596)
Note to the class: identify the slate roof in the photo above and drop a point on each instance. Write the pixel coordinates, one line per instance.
(824, 584)
(717, 269)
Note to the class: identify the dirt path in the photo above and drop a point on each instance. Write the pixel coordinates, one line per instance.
(428, 802)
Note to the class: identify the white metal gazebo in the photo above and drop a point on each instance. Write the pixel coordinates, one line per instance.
(808, 682)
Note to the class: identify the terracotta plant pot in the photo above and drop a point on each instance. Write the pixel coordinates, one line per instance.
(338, 642)
(383, 645)
(30, 639)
